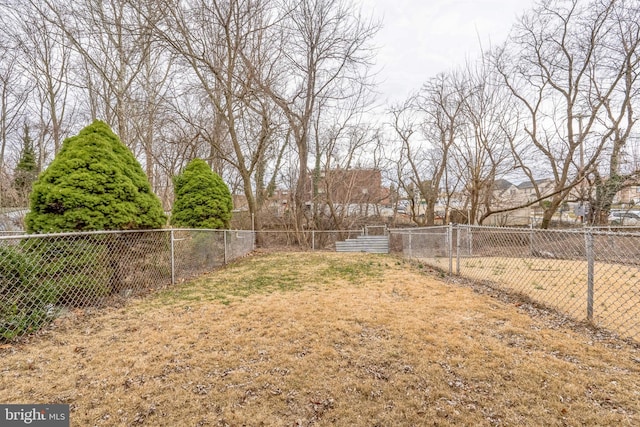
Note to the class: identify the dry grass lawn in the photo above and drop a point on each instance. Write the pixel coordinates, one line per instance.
(299, 339)
(562, 285)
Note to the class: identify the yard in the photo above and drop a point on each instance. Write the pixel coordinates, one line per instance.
(562, 285)
(283, 339)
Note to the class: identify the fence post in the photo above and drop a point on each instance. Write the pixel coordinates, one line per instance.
(225, 247)
(458, 229)
(173, 262)
(590, 275)
(410, 246)
(450, 238)
(531, 239)
(313, 240)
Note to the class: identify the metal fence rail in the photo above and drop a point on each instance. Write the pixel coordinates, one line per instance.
(586, 274)
(43, 276)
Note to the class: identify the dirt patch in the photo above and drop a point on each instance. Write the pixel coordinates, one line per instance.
(322, 339)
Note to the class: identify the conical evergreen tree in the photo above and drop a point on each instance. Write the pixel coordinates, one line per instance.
(26, 170)
(202, 199)
(94, 183)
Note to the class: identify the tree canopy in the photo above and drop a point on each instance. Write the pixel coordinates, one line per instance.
(277, 94)
(94, 183)
(202, 199)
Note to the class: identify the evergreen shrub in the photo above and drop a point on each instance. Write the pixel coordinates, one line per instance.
(202, 199)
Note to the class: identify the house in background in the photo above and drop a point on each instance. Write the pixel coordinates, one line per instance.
(526, 192)
(504, 190)
(360, 193)
(348, 191)
(628, 196)
(504, 195)
(279, 202)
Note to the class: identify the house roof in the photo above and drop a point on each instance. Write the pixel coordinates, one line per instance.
(528, 184)
(501, 184)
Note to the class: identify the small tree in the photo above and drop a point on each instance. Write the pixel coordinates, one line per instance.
(202, 199)
(26, 170)
(94, 183)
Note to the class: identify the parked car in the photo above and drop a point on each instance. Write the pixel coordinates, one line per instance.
(624, 218)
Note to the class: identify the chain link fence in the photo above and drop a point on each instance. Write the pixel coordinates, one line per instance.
(586, 274)
(44, 276)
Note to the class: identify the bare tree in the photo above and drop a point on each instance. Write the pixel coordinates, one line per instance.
(14, 94)
(427, 126)
(347, 183)
(411, 164)
(321, 45)
(621, 60)
(110, 40)
(343, 150)
(120, 73)
(45, 57)
(482, 153)
(213, 40)
(563, 66)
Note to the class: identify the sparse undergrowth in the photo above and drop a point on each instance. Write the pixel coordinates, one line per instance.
(323, 339)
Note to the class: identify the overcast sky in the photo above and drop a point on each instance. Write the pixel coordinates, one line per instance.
(421, 38)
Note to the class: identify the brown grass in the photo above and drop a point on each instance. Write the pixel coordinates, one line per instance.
(562, 285)
(323, 339)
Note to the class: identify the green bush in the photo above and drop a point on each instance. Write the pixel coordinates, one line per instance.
(202, 199)
(21, 308)
(94, 183)
(73, 273)
(41, 275)
(15, 321)
(13, 270)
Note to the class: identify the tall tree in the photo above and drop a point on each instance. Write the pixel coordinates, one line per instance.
(46, 59)
(482, 153)
(621, 58)
(212, 40)
(574, 81)
(342, 143)
(26, 170)
(427, 126)
(322, 46)
(14, 94)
